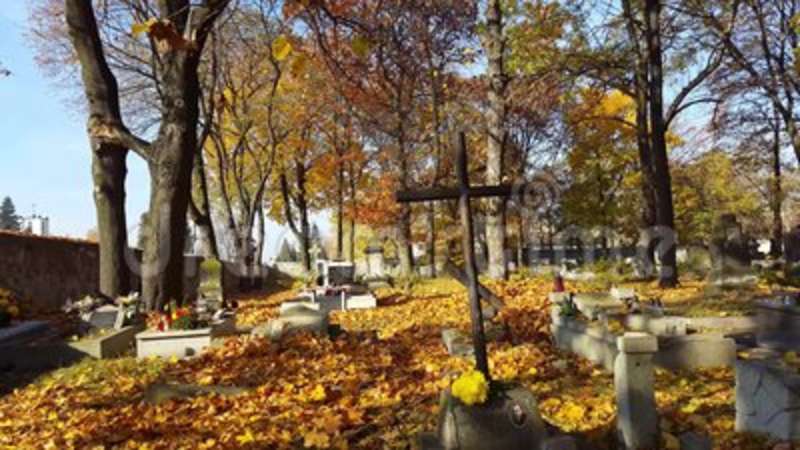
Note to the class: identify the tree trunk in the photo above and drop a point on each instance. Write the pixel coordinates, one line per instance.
(340, 212)
(108, 159)
(665, 215)
(776, 249)
(201, 216)
(495, 116)
(108, 175)
(404, 224)
(432, 237)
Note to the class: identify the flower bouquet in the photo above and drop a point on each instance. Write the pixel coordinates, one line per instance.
(84, 306)
(175, 318)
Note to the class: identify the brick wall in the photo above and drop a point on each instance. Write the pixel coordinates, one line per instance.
(45, 271)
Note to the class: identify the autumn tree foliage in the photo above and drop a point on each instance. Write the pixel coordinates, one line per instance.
(382, 54)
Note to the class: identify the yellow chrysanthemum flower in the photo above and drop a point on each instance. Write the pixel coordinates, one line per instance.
(471, 388)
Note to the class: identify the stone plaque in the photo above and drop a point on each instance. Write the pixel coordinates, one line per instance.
(104, 317)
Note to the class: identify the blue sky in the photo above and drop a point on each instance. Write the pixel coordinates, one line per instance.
(44, 155)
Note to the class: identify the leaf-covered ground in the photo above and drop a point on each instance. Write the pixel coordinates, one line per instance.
(374, 387)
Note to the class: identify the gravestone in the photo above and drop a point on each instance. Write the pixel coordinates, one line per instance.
(104, 317)
(778, 322)
(374, 255)
(730, 252)
(340, 273)
(637, 416)
(211, 291)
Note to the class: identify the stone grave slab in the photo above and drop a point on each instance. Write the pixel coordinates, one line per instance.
(593, 304)
(113, 343)
(364, 301)
(695, 351)
(767, 399)
(294, 320)
(158, 393)
(622, 293)
(593, 341)
(301, 304)
(778, 324)
(659, 326)
(22, 331)
(178, 343)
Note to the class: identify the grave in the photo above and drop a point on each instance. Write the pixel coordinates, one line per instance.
(587, 334)
(112, 329)
(19, 332)
(177, 343)
(730, 253)
(768, 398)
(637, 416)
(509, 419)
(211, 291)
(778, 323)
(294, 319)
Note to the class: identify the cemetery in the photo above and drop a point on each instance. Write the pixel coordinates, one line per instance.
(446, 225)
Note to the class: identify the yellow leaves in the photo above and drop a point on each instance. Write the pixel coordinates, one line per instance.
(573, 412)
(281, 48)
(139, 28)
(316, 439)
(471, 388)
(318, 394)
(246, 437)
(361, 46)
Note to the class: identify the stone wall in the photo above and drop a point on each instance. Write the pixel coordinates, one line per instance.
(46, 271)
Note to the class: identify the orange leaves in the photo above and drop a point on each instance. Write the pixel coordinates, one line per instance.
(165, 34)
(376, 386)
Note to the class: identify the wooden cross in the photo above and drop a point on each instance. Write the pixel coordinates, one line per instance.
(464, 192)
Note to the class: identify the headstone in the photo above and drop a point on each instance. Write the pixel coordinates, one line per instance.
(211, 284)
(340, 273)
(637, 416)
(507, 421)
(374, 255)
(730, 252)
(104, 317)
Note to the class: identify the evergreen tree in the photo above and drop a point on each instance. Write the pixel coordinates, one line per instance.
(9, 220)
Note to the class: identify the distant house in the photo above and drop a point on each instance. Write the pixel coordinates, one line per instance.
(36, 224)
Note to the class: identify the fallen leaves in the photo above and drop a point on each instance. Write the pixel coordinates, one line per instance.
(376, 386)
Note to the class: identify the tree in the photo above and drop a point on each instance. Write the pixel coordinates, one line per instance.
(9, 220)
(494, 43)
(176, 32)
